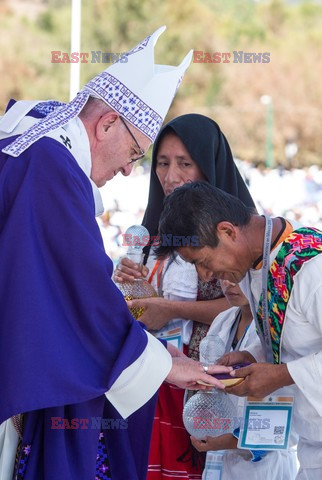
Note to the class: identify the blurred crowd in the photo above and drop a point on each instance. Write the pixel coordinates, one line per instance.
(293, 193)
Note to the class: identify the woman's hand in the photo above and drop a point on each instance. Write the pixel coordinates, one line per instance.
(157, 311)
(223, 442)
(128, 271)
(233, 358)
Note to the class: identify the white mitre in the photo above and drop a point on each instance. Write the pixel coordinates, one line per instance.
(138, 89)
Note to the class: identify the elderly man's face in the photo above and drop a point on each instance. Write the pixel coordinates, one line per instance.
(230, 260)
(116, 151)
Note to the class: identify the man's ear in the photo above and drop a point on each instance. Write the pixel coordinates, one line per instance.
(104, 123)
(226, 230)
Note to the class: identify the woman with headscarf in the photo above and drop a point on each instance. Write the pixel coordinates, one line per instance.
(190, 147)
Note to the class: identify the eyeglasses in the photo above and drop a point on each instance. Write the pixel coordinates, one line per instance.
(142, 153)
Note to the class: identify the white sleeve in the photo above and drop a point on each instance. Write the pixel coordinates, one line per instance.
(180, 283)
(139, 382)
(307, 371)
(180, 280)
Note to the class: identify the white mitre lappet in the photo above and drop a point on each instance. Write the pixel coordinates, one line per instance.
(138, 89)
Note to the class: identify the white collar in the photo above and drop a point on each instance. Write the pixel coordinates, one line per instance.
(80, 149)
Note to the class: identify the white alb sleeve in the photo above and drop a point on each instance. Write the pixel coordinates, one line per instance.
(139, 381)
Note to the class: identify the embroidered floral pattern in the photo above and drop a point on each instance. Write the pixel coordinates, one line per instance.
(139, 47)
(125, 102)
(102, 466)
(22, 459)
(59, 117)
(299, 247)
(44, 108)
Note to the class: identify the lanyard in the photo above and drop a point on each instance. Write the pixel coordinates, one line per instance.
(264, 335)
(233, 331)
(158, 267)
(160, 271)
(266, 263)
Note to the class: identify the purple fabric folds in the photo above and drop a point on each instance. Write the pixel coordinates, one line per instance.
(65, 332)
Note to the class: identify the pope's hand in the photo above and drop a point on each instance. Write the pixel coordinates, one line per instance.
(128, 271)
(185, 373)
(174, 351)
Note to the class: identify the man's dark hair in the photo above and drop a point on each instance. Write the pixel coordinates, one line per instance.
(194, 211)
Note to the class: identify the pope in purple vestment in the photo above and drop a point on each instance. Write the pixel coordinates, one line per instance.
(66, 333)
(78, 374)
(74, 363)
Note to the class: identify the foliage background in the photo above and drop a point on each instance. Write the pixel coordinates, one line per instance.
(228, 92)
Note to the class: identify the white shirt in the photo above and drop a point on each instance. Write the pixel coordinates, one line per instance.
(179, 283)
(277, 465)
(301, 345)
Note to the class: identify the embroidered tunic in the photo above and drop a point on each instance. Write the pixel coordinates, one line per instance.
(301, 349)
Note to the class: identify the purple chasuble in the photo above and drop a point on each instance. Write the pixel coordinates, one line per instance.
(66, 333)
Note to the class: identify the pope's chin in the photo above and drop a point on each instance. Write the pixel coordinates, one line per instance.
(100, 182)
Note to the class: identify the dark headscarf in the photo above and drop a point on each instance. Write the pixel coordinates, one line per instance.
(208, 147)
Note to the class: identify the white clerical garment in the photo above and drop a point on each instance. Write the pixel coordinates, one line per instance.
(237, 464)
(301, 349)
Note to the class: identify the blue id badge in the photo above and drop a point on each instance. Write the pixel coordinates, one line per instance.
(266, 424)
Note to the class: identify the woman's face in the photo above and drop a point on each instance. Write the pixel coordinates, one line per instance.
(233, 293)
(174, 165)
